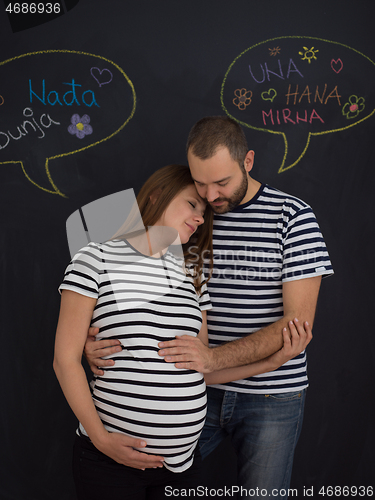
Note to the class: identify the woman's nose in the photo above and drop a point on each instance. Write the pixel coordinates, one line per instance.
(199, 219)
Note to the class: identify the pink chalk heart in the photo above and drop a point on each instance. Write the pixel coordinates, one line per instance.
(102, 76)
(336, 65)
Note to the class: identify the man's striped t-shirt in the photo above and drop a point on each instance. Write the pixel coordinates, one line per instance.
(142, 301)
(272, 239)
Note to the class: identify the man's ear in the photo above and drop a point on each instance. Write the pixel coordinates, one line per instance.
(249, 160)
(155, 195)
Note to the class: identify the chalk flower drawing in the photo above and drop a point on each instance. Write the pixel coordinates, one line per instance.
(352, 108)
(80, 126)
(243, 98)
(308, 54)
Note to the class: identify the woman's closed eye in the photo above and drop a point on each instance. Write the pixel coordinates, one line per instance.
(198, 206)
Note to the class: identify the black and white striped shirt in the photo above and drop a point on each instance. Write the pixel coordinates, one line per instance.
(272, 239)
(142, 301)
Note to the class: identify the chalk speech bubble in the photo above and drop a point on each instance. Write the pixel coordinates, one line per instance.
(299, 87)
(56, 103)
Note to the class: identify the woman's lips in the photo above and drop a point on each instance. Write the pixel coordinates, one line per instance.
(192, 228)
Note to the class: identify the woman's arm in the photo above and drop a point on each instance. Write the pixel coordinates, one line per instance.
(75, 316)
(295, 341)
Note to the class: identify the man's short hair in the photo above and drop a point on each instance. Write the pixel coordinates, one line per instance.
(212, 132)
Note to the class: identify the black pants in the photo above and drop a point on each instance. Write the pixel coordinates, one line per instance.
(98, 477)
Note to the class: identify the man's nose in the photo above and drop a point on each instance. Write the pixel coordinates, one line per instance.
(211, 194)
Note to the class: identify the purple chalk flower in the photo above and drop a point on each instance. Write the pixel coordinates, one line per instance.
(80, 126)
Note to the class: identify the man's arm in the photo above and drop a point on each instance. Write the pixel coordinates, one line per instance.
(299, 301)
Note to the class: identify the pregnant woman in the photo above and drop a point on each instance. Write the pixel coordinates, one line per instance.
(138, 290)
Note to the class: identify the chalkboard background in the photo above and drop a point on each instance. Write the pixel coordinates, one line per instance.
(168, 61)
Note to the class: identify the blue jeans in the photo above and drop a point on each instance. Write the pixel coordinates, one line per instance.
(264, 431)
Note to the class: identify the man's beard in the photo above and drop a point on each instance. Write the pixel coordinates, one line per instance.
(234, 200)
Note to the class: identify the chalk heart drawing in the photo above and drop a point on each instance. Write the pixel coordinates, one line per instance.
(102, 76)
(337, 65)
(269, 95)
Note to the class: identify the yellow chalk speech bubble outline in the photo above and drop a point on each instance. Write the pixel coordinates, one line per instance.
(282, 168)
(55, 188)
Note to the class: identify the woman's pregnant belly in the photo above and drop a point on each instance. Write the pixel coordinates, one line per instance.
(147, 398)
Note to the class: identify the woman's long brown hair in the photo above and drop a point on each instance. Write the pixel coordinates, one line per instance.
(153, 199)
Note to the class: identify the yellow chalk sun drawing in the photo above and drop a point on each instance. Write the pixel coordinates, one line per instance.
(308, 54)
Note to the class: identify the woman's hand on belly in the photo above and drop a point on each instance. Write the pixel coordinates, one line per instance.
(120, 448)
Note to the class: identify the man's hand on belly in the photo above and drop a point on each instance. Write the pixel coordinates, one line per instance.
(94, 351)
(189, 353)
